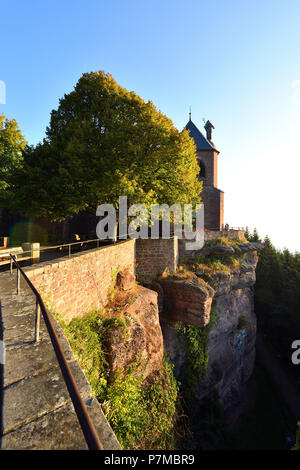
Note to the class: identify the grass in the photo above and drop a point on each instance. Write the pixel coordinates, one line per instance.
(226, 241)
(197, 356)
(143, 414)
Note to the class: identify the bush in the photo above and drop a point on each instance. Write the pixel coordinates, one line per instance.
(143, 415)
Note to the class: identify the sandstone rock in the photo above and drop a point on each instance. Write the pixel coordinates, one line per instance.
(227, 250)
(188, 301)
(125, 280)
(245, 247)
(228, 367)
(222, 249)
(154, 285)
(143, 339)
(220, 282)
(238, 278)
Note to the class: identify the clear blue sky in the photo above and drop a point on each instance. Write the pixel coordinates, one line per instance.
(237, 63)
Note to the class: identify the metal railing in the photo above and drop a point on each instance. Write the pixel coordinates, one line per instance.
(69, 245)
(27, 255)
(87, 426)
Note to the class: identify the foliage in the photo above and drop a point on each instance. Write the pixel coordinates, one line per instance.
(142, 414)
(297, 444)
(254, 237)
(211, 264)
(12, 144)
(87, 339)
(197, 355)
(225, 241)
(277, 297)
(102, 142)
(208, 425)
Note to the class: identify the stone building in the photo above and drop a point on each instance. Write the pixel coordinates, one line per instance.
(212, 197)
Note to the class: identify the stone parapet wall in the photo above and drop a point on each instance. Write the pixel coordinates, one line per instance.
(231, 233)
(73, 286)
(154, 256)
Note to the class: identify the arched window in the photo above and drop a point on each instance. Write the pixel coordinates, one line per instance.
(202, 172)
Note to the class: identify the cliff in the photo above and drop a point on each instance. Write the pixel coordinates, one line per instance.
(207, 316)
(202, 316)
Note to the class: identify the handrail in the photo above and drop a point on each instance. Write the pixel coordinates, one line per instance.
(64, 245)
(87, 426)
(41, 250)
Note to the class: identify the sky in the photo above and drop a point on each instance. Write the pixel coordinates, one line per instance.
(235, 63)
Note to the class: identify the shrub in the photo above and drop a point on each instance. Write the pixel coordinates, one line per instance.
(143, 415)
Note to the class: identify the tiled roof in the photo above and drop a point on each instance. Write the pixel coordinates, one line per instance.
(201, 142)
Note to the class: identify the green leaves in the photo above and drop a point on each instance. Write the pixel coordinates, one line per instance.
(143, 415)
(12, 143)
(102, 142)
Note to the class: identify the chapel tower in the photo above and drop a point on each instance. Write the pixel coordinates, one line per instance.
(207, 155)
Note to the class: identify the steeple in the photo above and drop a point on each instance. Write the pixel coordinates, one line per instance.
(207, 156)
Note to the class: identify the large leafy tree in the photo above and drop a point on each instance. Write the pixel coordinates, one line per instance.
(102, 142)
(12, 144)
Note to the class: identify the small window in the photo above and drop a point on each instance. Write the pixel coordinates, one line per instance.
(202, 172)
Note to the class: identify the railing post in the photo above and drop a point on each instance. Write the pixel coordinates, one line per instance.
(18, 281)
(97, 243)
(11, 265)
(37, 320)
(69, 250)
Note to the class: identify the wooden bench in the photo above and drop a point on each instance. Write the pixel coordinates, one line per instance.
(18, 252)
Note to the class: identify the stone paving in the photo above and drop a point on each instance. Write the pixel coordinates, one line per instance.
(36, 409)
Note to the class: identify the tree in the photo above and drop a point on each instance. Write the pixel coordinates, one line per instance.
(277, 297)
(247, 233)
(102, 142)
(255, 237)
(12, 143)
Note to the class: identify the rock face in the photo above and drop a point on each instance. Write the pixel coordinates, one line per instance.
(142, 339)
(187, 301)
(231, 344)
(125, 280)
(231, 348)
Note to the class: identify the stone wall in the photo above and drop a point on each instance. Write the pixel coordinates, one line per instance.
(232, 233)
(213, 200)
(210, 160)
(154, 256)
(73, 286)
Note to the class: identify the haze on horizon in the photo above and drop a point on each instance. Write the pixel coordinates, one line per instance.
(235, 63)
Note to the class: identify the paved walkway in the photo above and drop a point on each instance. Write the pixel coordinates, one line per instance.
(36, 410)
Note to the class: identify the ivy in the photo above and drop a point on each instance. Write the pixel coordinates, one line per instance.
(197, 355)
(142, 414)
